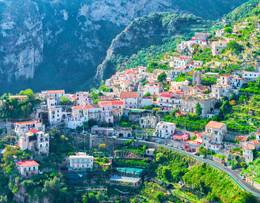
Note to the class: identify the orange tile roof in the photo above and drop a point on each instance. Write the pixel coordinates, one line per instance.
(215, 124)
(249, 146)
(241, 138)
(255, 142)
(27, 163)
(126, 95)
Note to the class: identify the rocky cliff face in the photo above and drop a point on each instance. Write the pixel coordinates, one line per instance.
(59, 43)
(21, 41)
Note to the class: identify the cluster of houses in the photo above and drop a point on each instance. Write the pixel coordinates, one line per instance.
(31, 136)
(133, 90)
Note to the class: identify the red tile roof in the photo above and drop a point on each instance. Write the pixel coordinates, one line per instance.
(27, 163)
(110, 103)
(215, 124)
(82, 107)
(166, 94)
(181, 137)
(117, 103)
(184, 57)
(126, 95)
(130, 71)
(178, 92)
(56, 91)
(34, 131)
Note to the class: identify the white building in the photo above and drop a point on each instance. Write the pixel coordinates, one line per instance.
(153, 88)
(166, 100)
(218, 46)
(214, 135)
(180, 61)
(248, 152)
(81, 114)
(250, 75)
(188, 104)
(52, 93)
(24, 126)
(146, 101)
(149, 121)
(81, 161)
(34, 140)
(150, 152)
(220, 91)
(185, 46)
(165, 129)
(102, 131)
(83, 98)
(131, 99)
(123, 132)
(57, 115)
(28, 167)
(111, 110)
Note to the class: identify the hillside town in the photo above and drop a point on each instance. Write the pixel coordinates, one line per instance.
(180, 107)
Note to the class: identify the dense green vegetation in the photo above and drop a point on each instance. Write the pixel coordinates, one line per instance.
(253, 171)
(242, 113)
(152, 47)
(235, 47)
(15, 107)
(171, 177)
(214, 183)
(182, 77)
(189, 122)
(204, 55)
(201, 182)
(208, 80)
(246, 9)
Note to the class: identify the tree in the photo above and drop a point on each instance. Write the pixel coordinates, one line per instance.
(56, 190)
(104, 88)
(27, 92)
(147, 94)
(235, 47)
(13, 108)
(162, 77)
(65, 100)
(225, 109)
(228, 29)
(198, 109)
(208, 81)
(94, 95)
(203, 151)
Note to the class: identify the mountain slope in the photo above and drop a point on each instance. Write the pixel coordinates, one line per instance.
(242, 11)
(144, 32)
(59, 43)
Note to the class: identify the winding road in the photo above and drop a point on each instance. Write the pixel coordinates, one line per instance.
(238, 180)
